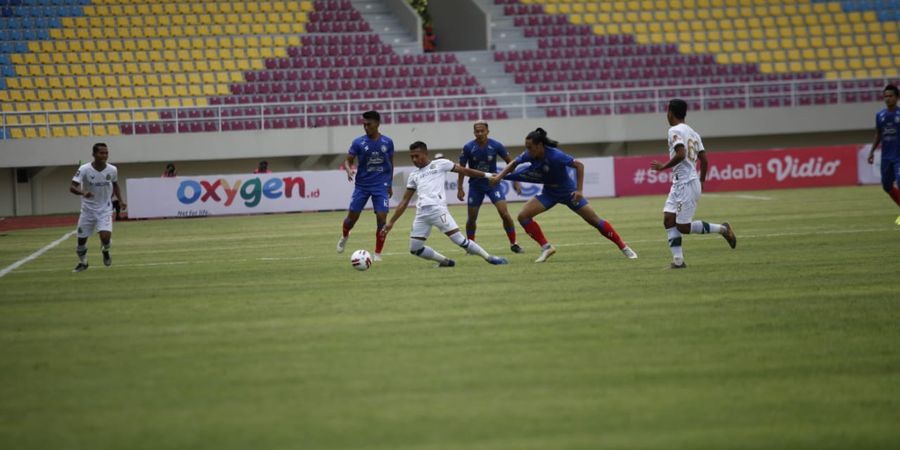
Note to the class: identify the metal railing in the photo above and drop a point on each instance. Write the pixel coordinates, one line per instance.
(525, 105)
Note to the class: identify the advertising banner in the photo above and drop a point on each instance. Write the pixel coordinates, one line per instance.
(748, 170)
(212, 195)
(869, 173)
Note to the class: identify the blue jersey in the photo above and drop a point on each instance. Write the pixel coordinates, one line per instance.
(482, 158)
(888, 123)
(374, 168)
(552, 170)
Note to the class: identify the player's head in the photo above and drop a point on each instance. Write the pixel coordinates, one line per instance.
(481, 131)
(890, 95)
(170, 168)
(418, 153)
(100, 152)
(263, 165)
(536, 141)
(677, 111)
(371, 120)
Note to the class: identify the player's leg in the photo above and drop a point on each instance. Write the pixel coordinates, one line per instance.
(532, 208)
(381, 206)
(690, 226)
(890, 173)
(499, 201)
(421, 228)
(586, 211)
(448, 226)
(83, 232)
(474, 199)
(672, 207)
(104, 226)
(357, 202)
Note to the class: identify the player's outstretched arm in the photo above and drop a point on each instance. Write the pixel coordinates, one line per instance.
(506, 171)
(470, 172)
(398, 211)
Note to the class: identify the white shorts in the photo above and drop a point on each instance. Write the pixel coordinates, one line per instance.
(89, 222)
(682, 201)
(429, 216)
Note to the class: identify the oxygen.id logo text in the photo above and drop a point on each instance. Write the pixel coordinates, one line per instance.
(251, 191)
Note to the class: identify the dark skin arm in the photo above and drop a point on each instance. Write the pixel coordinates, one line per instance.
(506, 171)
(75, 188)
(398, 211)
(875, 145)
(118, 194)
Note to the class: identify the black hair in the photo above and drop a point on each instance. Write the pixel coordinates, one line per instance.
(372, 115)
(264, 162)
(540, 136)
(893, 89)
(678, 108)
(97, 147)
(418, 145)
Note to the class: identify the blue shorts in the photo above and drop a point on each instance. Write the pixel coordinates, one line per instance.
(550, 199)
(890, 172)
(379, 196)
(477, 193)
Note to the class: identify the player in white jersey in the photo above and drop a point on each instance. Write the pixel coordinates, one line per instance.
(685, 148)
(431, 207)
(96, 182)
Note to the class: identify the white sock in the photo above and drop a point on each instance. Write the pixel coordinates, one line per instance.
(105, 248)
(701, 227)
(675, 243)
(418, 248)
(470, 246)
(81, 251)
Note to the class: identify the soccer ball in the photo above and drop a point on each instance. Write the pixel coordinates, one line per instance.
(361, 260)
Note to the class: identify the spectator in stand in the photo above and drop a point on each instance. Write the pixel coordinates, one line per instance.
(263, 167)
(429, 40)
(170, 171)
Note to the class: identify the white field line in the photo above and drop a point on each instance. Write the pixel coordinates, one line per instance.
(34, 255)
(741, 196)
(329, 255)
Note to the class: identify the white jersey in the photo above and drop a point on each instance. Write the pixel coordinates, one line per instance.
(429, 181)
(98, 183)
(686, 170)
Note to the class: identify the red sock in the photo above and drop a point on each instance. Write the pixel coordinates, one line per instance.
(511, 235)
(345, 229)
(534, 230)
(609, 232)
(379, 240)
(895, 194)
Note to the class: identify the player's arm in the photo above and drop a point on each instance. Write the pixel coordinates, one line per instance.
(118, 195)
(348, 166)
(680, 154)
(506, 171)
(460, 192)
(399, 210)
(704, 165)
(875, 145)
(516, 185)
(75, 188)
(391, 187)
(465, 171)
(579, 179)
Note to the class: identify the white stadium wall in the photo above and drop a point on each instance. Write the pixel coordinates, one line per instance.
(51, 162)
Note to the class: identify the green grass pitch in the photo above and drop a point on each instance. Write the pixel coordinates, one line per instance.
(252, 333)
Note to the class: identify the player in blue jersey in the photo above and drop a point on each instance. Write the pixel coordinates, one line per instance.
(481, 154)
(887, 134)
(373, 179)
(550, 166)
